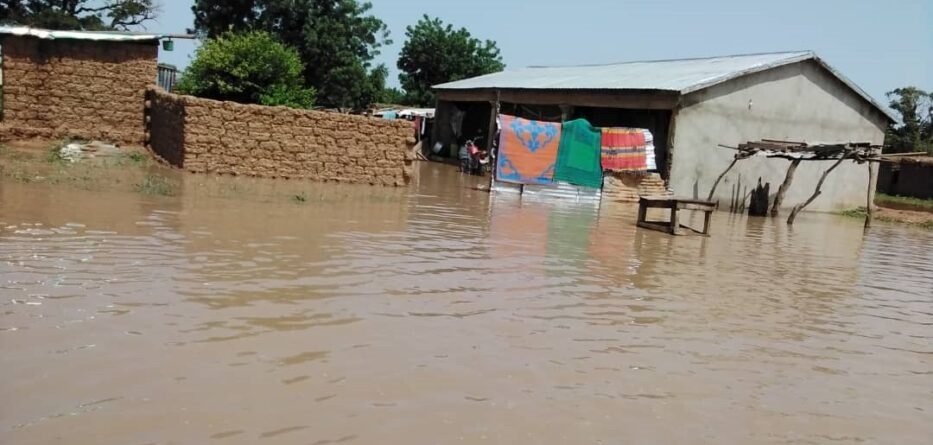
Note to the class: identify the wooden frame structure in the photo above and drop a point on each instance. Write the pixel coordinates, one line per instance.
(797, 152)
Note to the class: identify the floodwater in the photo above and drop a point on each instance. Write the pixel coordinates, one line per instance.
(441, 314)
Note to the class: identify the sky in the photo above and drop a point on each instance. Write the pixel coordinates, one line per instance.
(880, 45)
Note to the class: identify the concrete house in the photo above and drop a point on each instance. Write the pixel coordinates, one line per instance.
(692, 106)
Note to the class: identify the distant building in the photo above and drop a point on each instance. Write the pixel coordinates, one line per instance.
(692, 106)
(907, 176)
(91, 85)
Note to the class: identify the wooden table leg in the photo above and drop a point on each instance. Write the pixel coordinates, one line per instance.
(675, 222)
(706, 219)
(642, 212)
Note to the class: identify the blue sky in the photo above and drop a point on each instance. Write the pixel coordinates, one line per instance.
(880, 45)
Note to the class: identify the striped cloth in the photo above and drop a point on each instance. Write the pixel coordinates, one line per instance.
(627, 150)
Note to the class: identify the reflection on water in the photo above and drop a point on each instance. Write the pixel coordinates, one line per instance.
(442, 314)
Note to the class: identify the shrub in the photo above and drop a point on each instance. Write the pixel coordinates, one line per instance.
(247, 67)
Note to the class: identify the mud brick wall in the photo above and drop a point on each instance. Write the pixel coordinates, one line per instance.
(626, 187)
(76, 88)
(167, 138)
(202, 135)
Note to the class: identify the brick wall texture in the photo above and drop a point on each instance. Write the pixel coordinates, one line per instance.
(203, 135)
(625, 187)
(72, 88)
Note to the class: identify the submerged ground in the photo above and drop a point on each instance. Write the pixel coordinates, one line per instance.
(143, 305)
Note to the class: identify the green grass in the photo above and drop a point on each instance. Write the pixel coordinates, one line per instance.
(301, 197)
(904, 202)
(132, 158)
(854, 213)
(54, 155)
(156, 185)
(860, 213)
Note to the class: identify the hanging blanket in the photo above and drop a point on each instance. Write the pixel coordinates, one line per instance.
(527, 151)
(578, 158)
(627, 149)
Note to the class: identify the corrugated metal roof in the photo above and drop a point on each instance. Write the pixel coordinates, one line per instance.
(47, 34)
(682, 76)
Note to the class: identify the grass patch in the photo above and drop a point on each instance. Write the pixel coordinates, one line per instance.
(133, 158)
(859, 212)
(300, 198)
(904, 202)
(54, 155)
(890, 216)
(137, 157)
(156, 185)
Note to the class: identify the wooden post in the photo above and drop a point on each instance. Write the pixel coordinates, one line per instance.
(782, 190)
(491, 128)
(816, 193)
(675, 221)
(642, 211)
(744, 199)
(869, 205)
(712, 191)
(758, 202)
(732, 200)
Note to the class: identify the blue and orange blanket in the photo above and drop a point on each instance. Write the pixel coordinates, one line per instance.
(527, 150)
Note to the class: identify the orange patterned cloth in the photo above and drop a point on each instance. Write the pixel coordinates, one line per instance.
(527, 150)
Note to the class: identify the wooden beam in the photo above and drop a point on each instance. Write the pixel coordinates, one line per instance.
(578, 98)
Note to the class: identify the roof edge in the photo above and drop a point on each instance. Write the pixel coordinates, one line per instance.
(764, 53)
(50, 34)
(808, 55)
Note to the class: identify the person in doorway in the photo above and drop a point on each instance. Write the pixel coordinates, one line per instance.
(464, 156)
(478, 157)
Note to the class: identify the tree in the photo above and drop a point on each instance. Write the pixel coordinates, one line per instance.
(435, 53)
(78, 14)
(392, 96)
(916, 130)
(249, 68)
(336, 37)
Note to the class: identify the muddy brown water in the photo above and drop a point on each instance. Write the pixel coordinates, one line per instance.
(441, 314)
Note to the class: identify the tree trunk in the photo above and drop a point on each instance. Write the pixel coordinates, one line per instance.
(716, 184)
(816, 193)
(782, 190)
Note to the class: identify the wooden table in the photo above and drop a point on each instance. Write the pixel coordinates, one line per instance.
(675, 205)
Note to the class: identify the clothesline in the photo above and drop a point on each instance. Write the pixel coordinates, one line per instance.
(574, 152)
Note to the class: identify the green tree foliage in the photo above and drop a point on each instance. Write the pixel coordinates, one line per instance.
(915, 133)
(337, 39)
(249, 67)
(392, 96)
(78, 14)
(435, 53)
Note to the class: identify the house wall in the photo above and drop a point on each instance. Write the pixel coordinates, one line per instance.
(76, 88)
(797, 102)
(203, 135)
